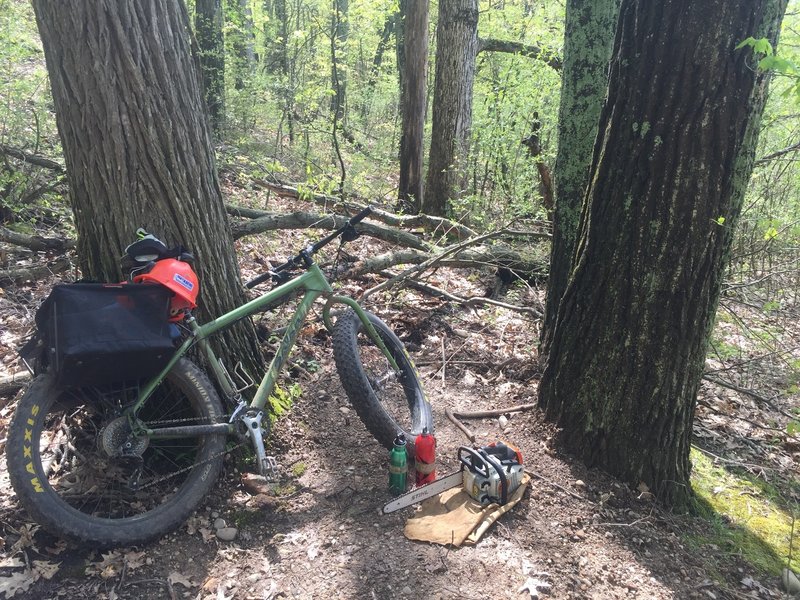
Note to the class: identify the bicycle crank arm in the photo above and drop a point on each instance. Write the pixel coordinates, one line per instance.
(267, 465)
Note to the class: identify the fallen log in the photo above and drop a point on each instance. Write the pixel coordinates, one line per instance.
(36, 243)
(21, 275)
(11, 384)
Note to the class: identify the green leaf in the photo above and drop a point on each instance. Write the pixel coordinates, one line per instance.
(760, 46)
(793, 427)
(770, 233)
(748, 42)
(720, 220)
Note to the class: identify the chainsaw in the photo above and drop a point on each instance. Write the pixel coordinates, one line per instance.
(489, 475)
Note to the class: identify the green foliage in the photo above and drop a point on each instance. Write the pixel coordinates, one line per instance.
(770, 61)
(282, 399)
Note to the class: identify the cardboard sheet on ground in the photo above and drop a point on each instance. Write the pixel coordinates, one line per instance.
(453, 517)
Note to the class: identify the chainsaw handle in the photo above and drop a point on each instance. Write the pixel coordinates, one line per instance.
(504, 452)
(503, 479)
(475, 462)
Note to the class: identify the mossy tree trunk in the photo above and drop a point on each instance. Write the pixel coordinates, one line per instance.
(588, 39)
(208, 22)
(137, 145)
(456, 48)
(666, 185)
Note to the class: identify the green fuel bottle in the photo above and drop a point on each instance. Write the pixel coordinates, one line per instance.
(398, 465)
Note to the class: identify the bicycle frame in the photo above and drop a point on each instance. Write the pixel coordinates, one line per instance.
(315, 285)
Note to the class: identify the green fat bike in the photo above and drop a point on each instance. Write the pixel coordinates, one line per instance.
(123, 462)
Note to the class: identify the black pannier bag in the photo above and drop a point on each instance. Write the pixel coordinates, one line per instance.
(94, 333)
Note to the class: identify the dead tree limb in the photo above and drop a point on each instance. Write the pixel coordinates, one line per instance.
(11, 384)
(430, 262)
(463, 428)
(36, 243)
(303, 220)
(549, 57)
(21, 275)
(472, 300)
(435, 225)
(33, 159)
(480, 414)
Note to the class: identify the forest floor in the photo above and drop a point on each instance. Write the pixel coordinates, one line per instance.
(577, 533)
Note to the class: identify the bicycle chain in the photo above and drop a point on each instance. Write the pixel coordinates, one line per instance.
(194, 465)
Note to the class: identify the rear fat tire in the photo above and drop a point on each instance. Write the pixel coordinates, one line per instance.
(386, 402)
(51, 422)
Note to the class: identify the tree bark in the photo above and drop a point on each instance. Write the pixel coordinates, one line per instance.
(211, 42)
(413, 82)
(456, 48)
(630, 335)
(588, 40)
(137, 145)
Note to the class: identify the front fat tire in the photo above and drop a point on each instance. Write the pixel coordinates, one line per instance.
(387, 404)
(41, 417)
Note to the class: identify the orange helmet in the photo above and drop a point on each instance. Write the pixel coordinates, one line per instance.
(179, 277)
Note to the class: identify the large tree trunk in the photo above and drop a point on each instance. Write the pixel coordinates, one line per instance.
(588, 39)
(137, 145)
(666, 187)
(456, 47)
(413, 81)
(208, 22)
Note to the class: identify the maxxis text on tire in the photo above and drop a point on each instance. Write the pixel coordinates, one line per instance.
(60, 467)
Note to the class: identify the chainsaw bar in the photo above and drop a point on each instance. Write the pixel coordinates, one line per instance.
(423, 492)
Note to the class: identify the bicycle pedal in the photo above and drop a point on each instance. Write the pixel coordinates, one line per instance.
(269, 468)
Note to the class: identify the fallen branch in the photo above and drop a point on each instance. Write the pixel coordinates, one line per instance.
(436, 225)
(449, 414)
(12, 276)
(557, 486)
(303, 220)
(751, 393)
(479, 414)
(11, 384)
(472, 300)
(34, 159)
(36, 243)
(429, 263)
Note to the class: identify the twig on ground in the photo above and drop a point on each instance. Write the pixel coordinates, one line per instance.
(449, 414)
(472, 300)
(560, 487)
(753, 394)
(493, 413)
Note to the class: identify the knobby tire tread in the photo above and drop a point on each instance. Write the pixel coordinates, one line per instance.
(361, 394)
(54, 514)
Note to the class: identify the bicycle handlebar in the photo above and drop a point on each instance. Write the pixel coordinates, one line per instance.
(304, 256)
